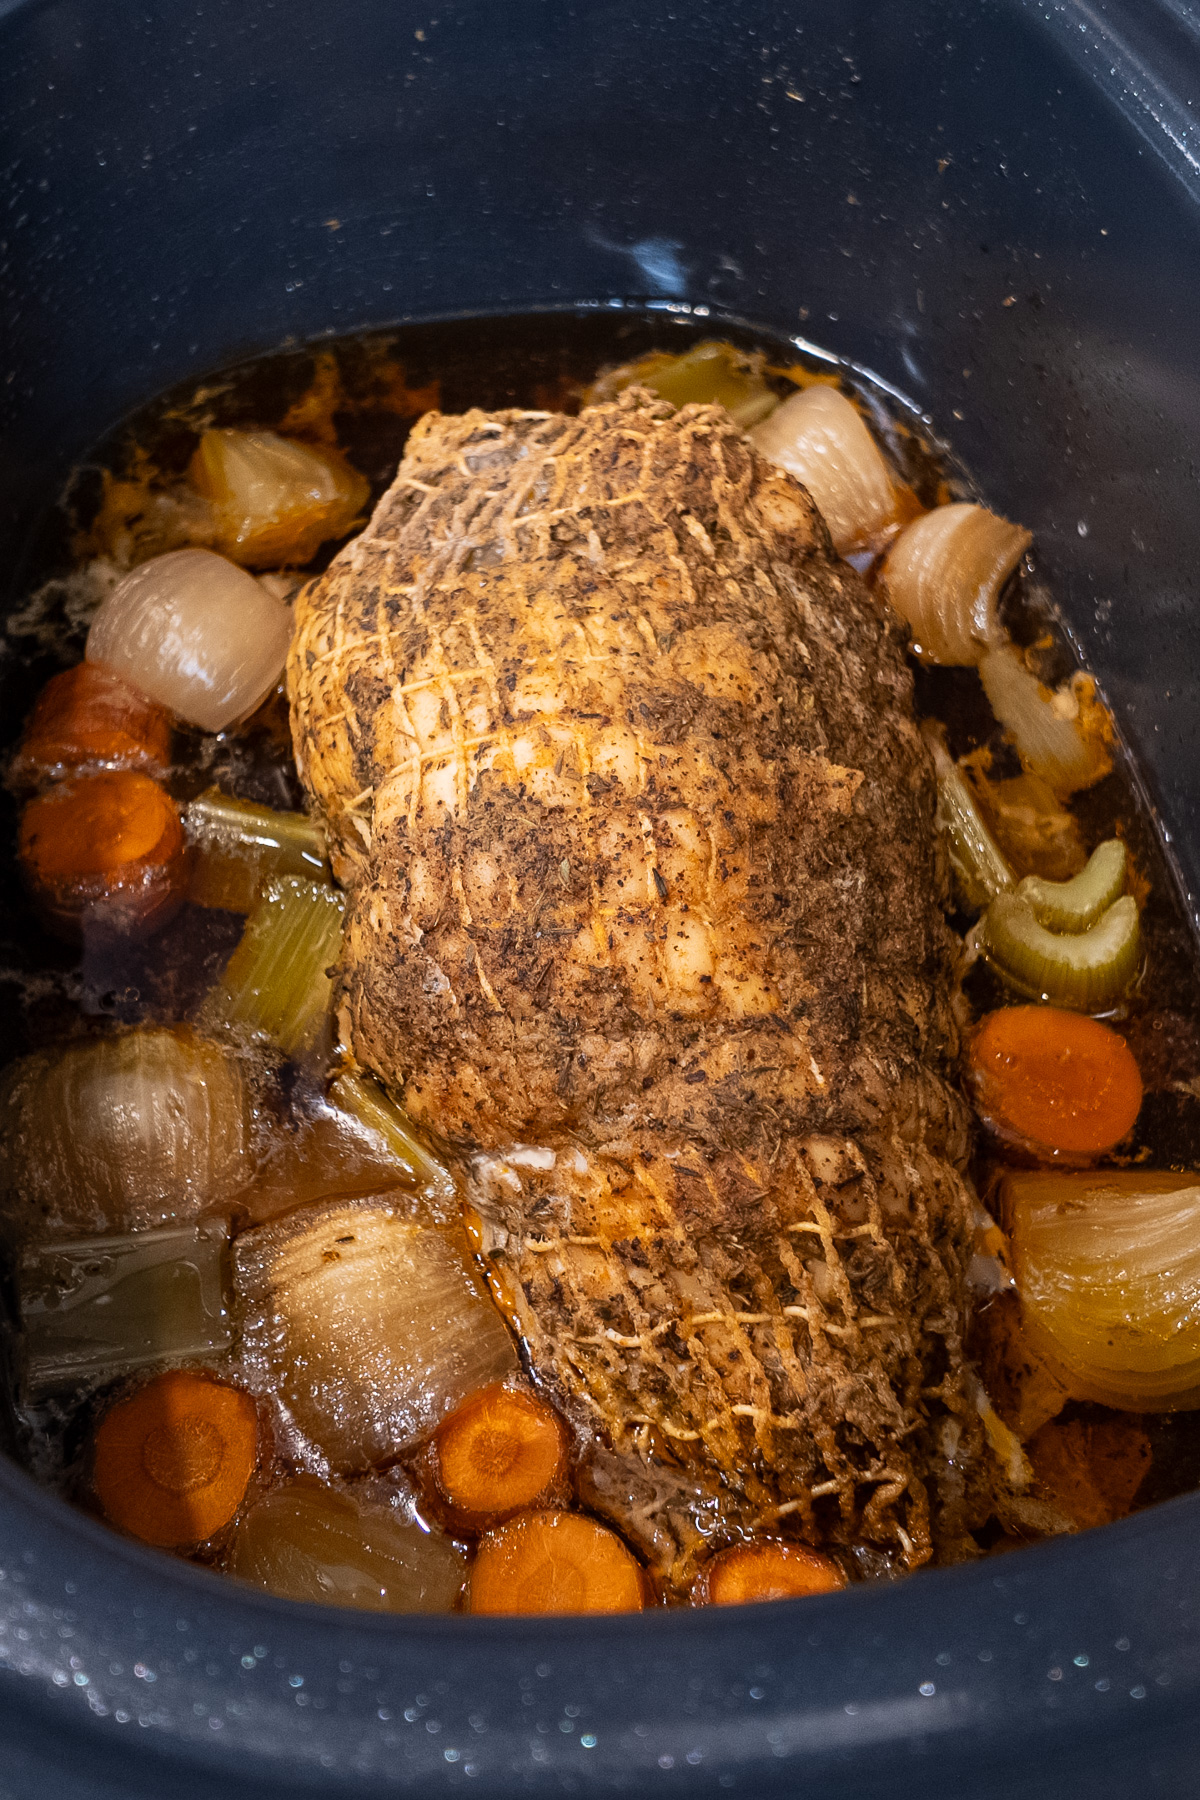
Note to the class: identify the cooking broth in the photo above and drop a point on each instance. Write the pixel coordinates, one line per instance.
(328, 1188)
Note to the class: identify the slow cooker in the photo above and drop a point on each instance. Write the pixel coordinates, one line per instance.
(993, 206)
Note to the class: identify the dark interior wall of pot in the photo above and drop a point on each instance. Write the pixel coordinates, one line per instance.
(915, 183)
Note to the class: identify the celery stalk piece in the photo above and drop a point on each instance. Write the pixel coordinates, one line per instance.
(95, 1308)
(1087, 971)
(980, 870)
(366, 1101)
(239, 845)
(277, 983)
(1075, 905)
(710, 373)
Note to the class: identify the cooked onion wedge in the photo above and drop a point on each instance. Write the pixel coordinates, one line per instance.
(944, 574)
(709, 374)
(142, 1128)
(368, 1324)
(310, 1541)
(818, 437)
(1087, 971)
(1062, 735)
(274, 500)
(1108, 1268)
(195, 633)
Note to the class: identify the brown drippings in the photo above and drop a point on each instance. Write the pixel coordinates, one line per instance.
(1035, 831)
(1091, 1467)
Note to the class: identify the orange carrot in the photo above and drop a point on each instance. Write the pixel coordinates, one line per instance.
(173, 1462)
(1053, 1083)
(89, 717)
(554, 1562)
(105, 850)
(767, 1570)
(499, 1451)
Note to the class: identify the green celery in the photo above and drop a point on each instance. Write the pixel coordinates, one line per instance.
(277, 983)
(238, 845)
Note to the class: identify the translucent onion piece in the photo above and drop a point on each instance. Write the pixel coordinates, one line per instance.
(818, 437)
(944, 574)
(123, 1132)
(275, 500)
(1075, 905)
(1087, 971)
(240, 845)
(196, 633)
(368, 1325)
(1108, 1268)
(95, 1308)
(277, 982)
(709, 374)
(980, 870)
(1045, 726)
(308, 1541)
(391, 1128)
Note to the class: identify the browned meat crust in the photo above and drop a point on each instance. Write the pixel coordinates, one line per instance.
(621, 770)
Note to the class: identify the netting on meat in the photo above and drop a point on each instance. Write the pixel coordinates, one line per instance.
(807, 1362)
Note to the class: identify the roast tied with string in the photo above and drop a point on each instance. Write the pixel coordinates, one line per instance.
(619, 766)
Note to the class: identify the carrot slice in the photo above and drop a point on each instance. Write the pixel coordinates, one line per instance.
(499, 1451)
(554, 1562)
(173, 1462)
(768, 1570)
(1055, 1083)
(88, 716)
(104, 850)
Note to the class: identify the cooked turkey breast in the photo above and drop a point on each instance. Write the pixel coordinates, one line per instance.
(621, 772)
